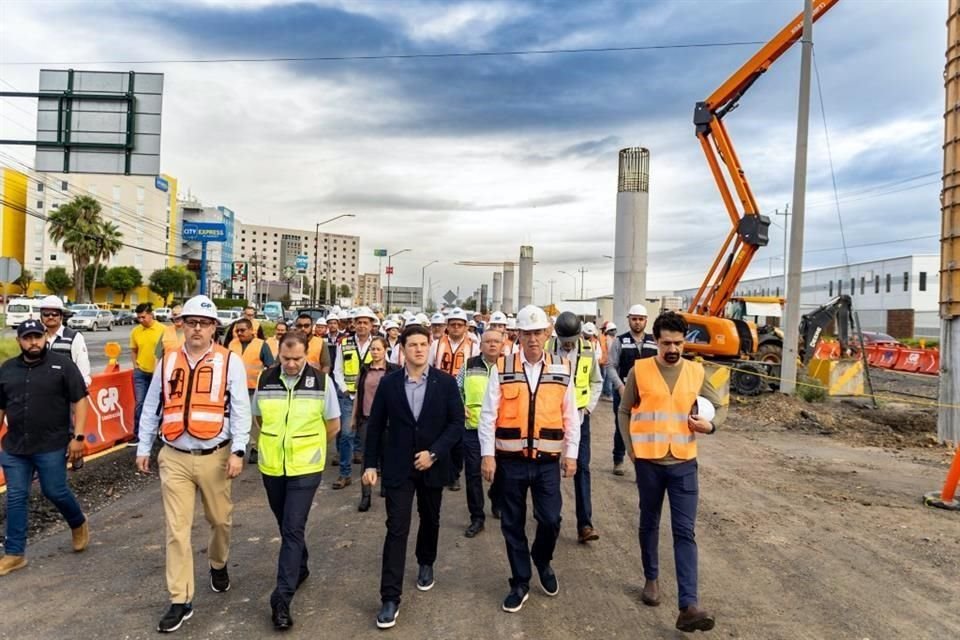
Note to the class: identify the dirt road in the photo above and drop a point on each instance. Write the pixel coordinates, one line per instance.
(800, 536)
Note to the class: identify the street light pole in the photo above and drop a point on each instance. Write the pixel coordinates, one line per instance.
(390, 273)
(316, 256)
(423, 273)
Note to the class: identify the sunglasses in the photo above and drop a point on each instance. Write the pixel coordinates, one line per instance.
(50, 314)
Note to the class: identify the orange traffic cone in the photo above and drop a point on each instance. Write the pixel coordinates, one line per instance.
(946, 498)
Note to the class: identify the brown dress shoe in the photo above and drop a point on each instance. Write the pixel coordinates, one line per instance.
(651, 593)
(81, 536)
(694, 619)
(586, 534)
(9, 563)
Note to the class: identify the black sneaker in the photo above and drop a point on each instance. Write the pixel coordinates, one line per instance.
(475, 527)
(174, 617)
(388, 614)
(548, 581)
(219, 579)
(515, 599)
(425, 578)
(253, 458)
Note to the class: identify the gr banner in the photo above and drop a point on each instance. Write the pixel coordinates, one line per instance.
(110, 411)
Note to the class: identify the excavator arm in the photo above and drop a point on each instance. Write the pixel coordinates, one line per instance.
(749, 228)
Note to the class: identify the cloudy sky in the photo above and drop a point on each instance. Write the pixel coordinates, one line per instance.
(467, 158)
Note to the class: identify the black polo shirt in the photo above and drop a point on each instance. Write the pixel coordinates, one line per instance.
(36, 397)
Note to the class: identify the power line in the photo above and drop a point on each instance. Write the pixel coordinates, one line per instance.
(404, 56)
(833, 174)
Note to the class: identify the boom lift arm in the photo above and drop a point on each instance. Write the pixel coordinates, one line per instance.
(749, 228)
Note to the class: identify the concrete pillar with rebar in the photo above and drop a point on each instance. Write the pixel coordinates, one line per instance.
(630, 240)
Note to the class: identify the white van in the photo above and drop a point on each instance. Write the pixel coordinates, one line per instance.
(20, 309)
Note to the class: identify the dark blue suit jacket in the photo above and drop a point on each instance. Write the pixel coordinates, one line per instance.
(439, 427)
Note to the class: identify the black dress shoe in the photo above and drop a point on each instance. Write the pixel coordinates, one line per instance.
(364, 499)
(425, 577)
(475, 527)
(454, 486)
(388, 614)
(281, 617)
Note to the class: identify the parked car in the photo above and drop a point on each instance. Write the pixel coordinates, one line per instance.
(226, 318)
(20, 309)
(83, 306)
(162, 314)
(124, 317)
(875, 338)
(92, 320)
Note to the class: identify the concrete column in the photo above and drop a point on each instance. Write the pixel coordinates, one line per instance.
(497, 291)
(525, 293)
(508, 288)
(630, 240)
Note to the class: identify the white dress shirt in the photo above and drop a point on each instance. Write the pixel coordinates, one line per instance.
(362, 348)
(487, 428)
(236, 427)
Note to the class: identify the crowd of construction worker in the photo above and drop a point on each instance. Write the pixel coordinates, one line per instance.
(416, 401)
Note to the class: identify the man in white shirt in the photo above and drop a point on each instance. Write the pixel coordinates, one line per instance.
(353, 353)
(64, 340)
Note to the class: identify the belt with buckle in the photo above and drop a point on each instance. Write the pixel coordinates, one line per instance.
(200, 452)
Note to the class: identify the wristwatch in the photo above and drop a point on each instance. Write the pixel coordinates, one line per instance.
(433, 456)
(79, 437)
(713, 429)
(240, 454)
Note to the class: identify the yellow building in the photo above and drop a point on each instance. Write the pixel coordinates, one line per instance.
(13, 205)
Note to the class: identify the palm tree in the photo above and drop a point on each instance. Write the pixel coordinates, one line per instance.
(74, 226)
(107, 244)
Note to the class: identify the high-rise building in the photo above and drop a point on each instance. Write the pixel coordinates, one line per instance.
(270, 250)
(219, 254)
(368, 289)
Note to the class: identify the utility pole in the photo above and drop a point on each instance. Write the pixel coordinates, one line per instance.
(582, 271)
(788, 371)
(786, 220)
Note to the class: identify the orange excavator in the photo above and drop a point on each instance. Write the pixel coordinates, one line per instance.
(712, 334)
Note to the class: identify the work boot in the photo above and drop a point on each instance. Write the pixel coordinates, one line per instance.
(693, 619)
(10, 563)
(341, 482)
(651, 593)
(587, 534)
(618, 469)
(81, 536)
(364, 499)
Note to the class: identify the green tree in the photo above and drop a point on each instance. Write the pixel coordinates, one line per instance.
(188, 281)
(469, 303)
(344, 291)
(123, 280)
(107, 244)
(24, 281)
(57, 280)
(74, 226)
(164, 282)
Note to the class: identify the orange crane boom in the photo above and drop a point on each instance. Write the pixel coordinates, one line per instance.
(749, 228)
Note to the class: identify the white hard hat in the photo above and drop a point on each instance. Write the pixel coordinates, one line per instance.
(497, 317)
(477, 313)
(352, 314)
(438, 318)
(703, 408)
(531, 318)
(472, 323)
(390, 324)
(333, 315)
(457, 314)
(511, 323)
(637, 310)
(336, 309)
(199, 306)
(321, 322)
(408, 316)
(590, 329)
(51, 302)
(610, 326)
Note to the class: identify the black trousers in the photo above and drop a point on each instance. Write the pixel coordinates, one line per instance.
(290, 498)
(399, 505)
(471, 470)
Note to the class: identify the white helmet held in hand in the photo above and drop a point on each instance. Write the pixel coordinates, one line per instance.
(703, 408)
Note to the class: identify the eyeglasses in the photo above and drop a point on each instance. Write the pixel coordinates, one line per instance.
(50, 314)
(303, 326)
(194, 324)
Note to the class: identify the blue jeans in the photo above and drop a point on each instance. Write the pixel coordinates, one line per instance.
(581, 480)
(52, 469)
(141, 383)
(345, 437)
(619, 449)
(679, 481)
(607, 385)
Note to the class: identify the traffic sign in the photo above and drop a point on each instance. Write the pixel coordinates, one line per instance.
(379, 253)
(10, 269)
(449, 297)
(389, 270)
(205, 231)
(289, 272)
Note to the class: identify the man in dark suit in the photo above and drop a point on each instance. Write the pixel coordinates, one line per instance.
(420, 410)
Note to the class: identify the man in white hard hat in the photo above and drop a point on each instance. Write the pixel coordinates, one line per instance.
(353, 353)
(529, 428)
(438, 325)
(198, 400)
(62, 339)
(663, 411)
(629, 347)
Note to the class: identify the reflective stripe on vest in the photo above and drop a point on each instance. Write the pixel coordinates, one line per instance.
(251, 359)
(172, 339)
(476, 377)
(452, 361)
(584, 364)
(293, 433)
(351, 362)
(195, 400)
(658, 425)
(64, 343)
(530, 425)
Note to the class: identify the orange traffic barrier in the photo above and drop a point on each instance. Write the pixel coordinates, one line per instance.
(930, 363)
(887, 356)
(946, 497)
(827, 350)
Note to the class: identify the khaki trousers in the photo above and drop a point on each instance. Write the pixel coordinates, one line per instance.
(181, 476)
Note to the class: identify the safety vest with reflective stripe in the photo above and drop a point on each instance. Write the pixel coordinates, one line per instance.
(172, 339)
(476, 377)
(452, 361)
(530, 425)
(251, 359)
(195, 400)
(658, 424)
(581, 380)
(293, 433)
(351, 362)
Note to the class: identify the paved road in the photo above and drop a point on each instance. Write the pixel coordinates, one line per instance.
(97, 340)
